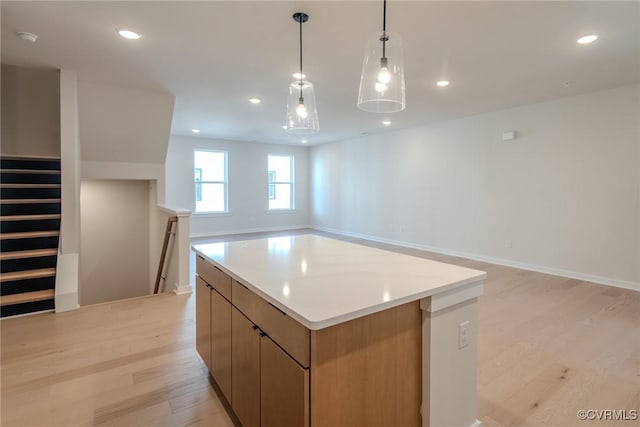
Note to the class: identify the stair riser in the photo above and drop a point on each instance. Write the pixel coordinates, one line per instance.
(29, 307)
(30, 225)
(10, 245)
(30, 164)
(29, 285)
(30, 209)
(33, 263)
(30, 193)
(29, 178)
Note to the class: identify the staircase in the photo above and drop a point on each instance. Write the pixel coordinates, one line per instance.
(30, 229)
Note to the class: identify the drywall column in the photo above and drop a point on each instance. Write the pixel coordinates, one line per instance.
(449, 357)
(69, 246)
(176, 270)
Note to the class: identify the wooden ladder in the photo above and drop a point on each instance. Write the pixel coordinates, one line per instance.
(165, 245)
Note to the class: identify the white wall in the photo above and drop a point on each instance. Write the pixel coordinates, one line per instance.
(114, 257)
(566, 192)
(123, 125)
(67, 269)
(247, 174)
(30, 111)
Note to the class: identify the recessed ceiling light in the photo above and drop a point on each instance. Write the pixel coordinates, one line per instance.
(255, 100)
(443, 83)
(195, 130)
(304, 141)
(386, 122)
(299, 76)
(30, 37)
(588, 39)
(127, 34)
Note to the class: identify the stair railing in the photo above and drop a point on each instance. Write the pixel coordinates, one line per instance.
(165, 245)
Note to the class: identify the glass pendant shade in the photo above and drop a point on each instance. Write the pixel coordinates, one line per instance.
(382, 79)
(302, 115)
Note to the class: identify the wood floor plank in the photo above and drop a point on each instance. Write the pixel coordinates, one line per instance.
(133, 362)
(29, 234)
(34, 217)
(27, 254)
(27, 297)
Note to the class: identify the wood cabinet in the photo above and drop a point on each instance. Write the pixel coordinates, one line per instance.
(203, 321)
(284, 388)
(213, 323)
(274, 372)
(245, 369)
(221, 342)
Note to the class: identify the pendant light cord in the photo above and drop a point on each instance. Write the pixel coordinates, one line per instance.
(384, 28)
(301, 98)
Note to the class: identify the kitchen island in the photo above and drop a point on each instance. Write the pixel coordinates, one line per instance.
(311, 331)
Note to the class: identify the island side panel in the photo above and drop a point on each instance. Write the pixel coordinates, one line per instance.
(449, 370)
(367, 372)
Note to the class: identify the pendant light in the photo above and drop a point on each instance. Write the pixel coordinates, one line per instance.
(302, 116)
(382, 78)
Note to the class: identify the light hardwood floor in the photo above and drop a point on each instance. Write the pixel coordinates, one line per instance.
(548, 346)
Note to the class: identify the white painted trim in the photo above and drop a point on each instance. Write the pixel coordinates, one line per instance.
(452, 297)
(67, 302)
(634, 286)
(280, 211)
(182, 289)
(174, 211)
(248, 230)
(67, 282)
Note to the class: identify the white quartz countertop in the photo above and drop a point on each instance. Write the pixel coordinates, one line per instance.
(322, 282)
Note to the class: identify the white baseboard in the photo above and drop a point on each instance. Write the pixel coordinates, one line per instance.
(182, 289)
(67, 302)
(248, 230)
(634, 286)
(67, 269)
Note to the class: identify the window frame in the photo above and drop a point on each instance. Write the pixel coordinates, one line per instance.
(271, 185)
(225, 182)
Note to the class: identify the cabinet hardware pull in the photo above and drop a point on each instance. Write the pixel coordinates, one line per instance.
(217, 268)
(255, 327)
(263, 334)
(242, 285)
(201, 257)
(276, 308)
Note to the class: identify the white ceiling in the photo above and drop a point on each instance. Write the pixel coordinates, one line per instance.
(212, 56)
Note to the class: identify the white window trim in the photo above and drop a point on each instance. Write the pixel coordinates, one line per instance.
(226, 210)
(292, 172)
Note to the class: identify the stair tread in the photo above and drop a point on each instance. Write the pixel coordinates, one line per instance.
(12, 185)
(27, 297)
(29, 217)
(27, 274)
(33, 171)
(29, 234)
(28, 201)
(27, 157)
(28, 254)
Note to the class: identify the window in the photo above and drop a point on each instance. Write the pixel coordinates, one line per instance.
(210, 180)
(280, 182)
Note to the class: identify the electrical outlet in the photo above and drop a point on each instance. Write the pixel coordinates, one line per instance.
(463, 334)
(508, 243)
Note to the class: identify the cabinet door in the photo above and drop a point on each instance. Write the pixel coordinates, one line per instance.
(203, 321)
(245, 369)
(284, 388)
(221, 342)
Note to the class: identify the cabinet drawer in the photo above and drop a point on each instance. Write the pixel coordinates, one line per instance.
(214, 276)
(285, 331)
